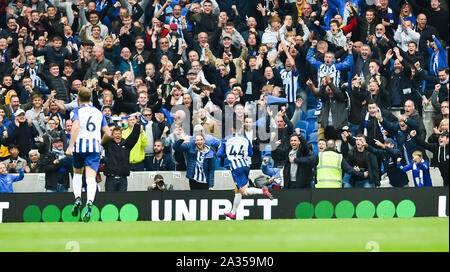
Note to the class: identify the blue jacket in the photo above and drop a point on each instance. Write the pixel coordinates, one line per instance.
(441, 56)
(419, 181)
(191, 151)
(406, 144)
(6, 181)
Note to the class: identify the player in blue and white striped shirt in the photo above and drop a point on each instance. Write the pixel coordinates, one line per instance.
(238, 150)
(85, 139)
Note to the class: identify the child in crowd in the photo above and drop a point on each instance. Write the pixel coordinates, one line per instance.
(420, 170)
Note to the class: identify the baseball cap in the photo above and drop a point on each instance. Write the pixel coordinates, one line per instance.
(19, 112)
(444, 133)
(389, 140)
(57, 139)
(226, 35)
(192, 71)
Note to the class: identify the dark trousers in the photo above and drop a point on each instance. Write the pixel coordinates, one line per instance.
(137, 166)
(113, 184)
(195, 185)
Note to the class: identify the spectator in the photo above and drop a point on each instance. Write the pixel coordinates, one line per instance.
(280, 144)
(98, 64)
(204, 21)
(160, 161)
(400, 85)
(200, 162)
(21, 132)
(14, 162)
(440, 152)
(362, 161)
(54, 81)
(401, 130)
(406, 34)
(275, 180)
(420, 170)
(329, 166)
(57, 167)
(329, 66)
(334, 114)
(34, 165)
(426, 32)
(4, 123)
(438, 55)
(55, 53)
(37, 113)
(297, 176)
(440, 93)
(411, 112)
(137, 153)
(6, 179)
(435, 13)
(117, 151)
(389, 154)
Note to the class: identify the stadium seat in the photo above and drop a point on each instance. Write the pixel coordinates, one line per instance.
(267, 151)
(304, 133)
(312, 127)
(312, 123)
(311, 114)
(313, 137)
(302, 125)
(315, 148)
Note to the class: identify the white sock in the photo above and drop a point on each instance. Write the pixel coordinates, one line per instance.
(253, 191)
(236, 202)
(91, 189)
(77, 183)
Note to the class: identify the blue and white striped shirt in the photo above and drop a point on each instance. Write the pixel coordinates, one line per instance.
(238, 151)
(91, 122)
(199, 172)
(290, 83)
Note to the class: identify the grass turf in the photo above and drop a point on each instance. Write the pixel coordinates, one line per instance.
(287, 235)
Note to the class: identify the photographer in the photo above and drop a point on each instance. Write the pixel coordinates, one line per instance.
(159, 185)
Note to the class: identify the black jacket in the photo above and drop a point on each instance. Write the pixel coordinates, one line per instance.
(58, 84)
(117, 155)
(53, 175)
(372, 164)
(440, 154)
(304, 174)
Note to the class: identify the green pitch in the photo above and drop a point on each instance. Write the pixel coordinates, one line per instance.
(296, 235)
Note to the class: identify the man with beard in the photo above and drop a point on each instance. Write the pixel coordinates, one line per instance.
(160, 161)
(297, 176)
(440, 151)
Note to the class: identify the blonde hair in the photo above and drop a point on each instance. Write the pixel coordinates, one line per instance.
(443, 122)
(417, 153)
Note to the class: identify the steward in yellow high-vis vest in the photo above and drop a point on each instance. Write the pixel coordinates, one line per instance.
(329, 165)
(329, 170)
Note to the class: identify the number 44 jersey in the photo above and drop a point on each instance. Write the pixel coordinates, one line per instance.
(91, 123)
(238, 150)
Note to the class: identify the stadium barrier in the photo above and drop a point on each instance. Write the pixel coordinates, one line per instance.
(137, 181)
(211, 205)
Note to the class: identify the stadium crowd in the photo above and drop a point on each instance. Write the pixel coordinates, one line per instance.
(176, 77)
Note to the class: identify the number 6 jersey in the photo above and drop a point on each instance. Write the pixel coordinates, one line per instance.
(91, 123)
